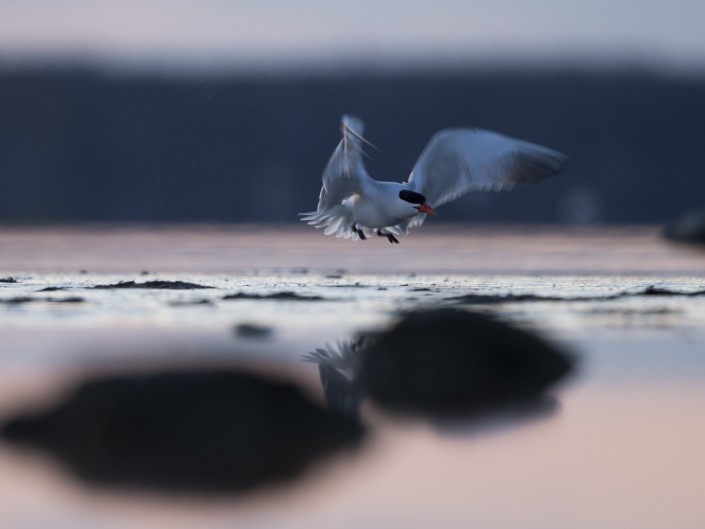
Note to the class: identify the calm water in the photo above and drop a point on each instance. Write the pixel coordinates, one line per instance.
(622, 449)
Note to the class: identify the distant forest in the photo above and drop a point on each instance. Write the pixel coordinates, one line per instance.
(82, 145)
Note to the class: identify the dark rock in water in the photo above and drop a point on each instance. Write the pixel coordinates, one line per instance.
(202, 432)
(448, 362)
(492, 299)
(20, 300)
(252, 330)
(156, 284)
(658, 291)
(190, 303)
(70, 299)
(688, 228)
(8, 280)
(283, 296)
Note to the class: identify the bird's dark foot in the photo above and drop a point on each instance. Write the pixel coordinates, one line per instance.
(391, 238)
(359, 232)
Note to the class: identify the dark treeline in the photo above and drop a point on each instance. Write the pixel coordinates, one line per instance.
(81, 145)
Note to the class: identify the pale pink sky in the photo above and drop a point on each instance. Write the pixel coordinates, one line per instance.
(276, 32)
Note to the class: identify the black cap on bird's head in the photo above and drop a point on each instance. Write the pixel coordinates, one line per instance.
(413, 197)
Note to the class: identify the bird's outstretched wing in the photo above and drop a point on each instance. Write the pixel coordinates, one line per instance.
(345, 172)
(344, 175)
(457, 161)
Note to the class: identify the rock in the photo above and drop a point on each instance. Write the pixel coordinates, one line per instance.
(156, 284)
(253, 331)
(20, 300)
(448, 362)
(182, 431)
(280, 296)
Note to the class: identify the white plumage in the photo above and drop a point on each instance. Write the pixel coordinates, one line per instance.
(454, 162)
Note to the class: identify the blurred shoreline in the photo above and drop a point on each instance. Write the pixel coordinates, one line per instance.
(86, 145)
(434, 248)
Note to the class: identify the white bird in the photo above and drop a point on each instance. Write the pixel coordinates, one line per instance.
(454, 162)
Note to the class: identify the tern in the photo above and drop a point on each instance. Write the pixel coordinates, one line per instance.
(454, 162)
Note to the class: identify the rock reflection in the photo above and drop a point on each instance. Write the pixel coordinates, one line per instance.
(215, 431)
(443, 363)
(499, 419)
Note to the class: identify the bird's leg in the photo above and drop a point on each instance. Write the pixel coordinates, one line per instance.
(391, 238)
(359, 232)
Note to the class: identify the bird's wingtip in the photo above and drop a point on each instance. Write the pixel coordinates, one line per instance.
(352, 123)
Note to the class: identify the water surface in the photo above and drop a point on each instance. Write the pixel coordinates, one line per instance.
(621, 447)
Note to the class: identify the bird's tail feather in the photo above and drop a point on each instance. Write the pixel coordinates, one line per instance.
(333, 221)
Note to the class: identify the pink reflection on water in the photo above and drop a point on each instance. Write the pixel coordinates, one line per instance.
(615, 455)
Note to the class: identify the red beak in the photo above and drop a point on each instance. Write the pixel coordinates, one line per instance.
(425, 208)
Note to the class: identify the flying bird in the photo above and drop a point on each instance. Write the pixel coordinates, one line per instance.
(454, 162)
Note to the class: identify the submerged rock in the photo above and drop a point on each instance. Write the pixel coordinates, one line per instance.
(156, 284)
(281, 296)
(448, 362)
(660, 291)
(209, 431)
(21, 300)
(253, 331)
(493, 299)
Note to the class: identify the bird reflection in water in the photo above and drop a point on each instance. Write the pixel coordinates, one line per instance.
(339, 368)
